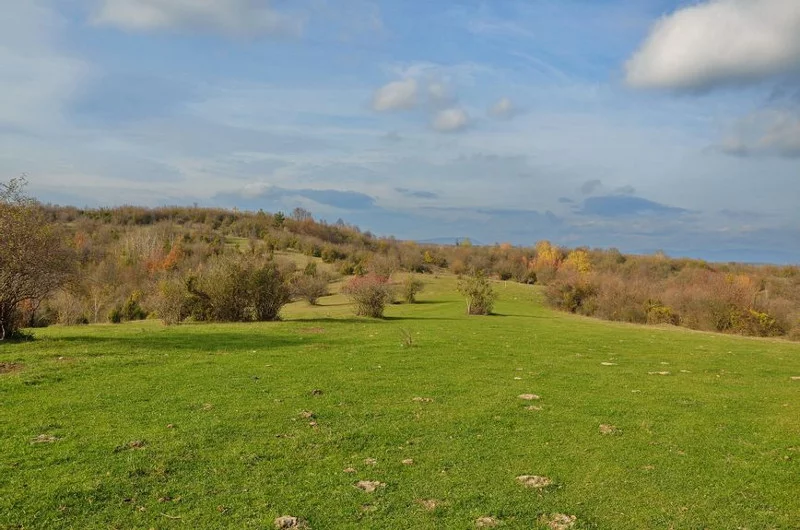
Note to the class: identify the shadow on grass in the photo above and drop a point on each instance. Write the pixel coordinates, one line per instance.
(364, 320)
(210, 342)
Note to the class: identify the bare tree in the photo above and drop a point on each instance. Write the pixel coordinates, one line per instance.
(34, 261)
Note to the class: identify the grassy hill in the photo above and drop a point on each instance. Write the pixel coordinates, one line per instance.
(230, 426)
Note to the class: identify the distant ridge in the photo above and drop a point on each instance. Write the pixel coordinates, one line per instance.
(451, 241)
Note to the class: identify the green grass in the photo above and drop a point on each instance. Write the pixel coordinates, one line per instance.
(715, 444)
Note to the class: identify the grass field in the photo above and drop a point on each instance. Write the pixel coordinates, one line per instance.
(203, 426)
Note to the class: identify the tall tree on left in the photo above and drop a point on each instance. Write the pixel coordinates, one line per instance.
(34, 258)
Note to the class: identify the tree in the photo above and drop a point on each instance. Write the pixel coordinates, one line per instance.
(479, 293)
(34, 261)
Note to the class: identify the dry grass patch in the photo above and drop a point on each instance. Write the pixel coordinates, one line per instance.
(558, 521)
(534, 481)
(369, 485)
(487, 522)
(7, 368)
(607, 429)
(529, 397)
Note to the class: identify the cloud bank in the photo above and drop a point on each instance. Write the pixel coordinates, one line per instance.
(717, 43)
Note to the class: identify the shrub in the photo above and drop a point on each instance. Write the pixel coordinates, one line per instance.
(268, 292)
(369, 294)
(410, 288)
(658, 313)
(171, 301)
(570, 295)
(237, 289)
(131, 309)
(309, 288)
(478, 292)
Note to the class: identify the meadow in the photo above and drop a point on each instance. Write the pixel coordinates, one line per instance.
(140, 425)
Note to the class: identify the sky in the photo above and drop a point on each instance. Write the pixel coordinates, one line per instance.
(642, 125)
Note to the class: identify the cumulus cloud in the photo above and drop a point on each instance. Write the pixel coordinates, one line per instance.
(770, 132)
(451, 120)
(398, 95)
(719, 42)
(591, 186)
(237, 17)
(503, 109)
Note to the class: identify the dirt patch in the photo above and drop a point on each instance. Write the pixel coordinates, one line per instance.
(44, 439)
(207, 406)
(658, 373)
(317, 392)
(408, 462)
(422, 400)
(534, 481)
(312, 331)
(9, 368)
(307, 414)
(369, 485)
(609, 364)
(533, 408)
(487, 522)
(289, 521)
(607, 429)
(795, 378)
(371, 461)
(132, 445)
(558, 521)
(529, 397)
(349, 470)
(429, 504)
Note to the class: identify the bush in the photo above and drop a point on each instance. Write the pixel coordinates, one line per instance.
(309, 288)
(369, 294)
(479, 293)
(171, 302)
(131, 310)
(410, 288)
(236, 288)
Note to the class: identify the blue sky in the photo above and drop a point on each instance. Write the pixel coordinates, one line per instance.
(655, 124)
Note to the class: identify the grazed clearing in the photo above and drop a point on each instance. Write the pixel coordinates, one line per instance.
(212, 423)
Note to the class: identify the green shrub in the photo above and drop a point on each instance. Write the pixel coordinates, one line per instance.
(410, 287)
(479, 294)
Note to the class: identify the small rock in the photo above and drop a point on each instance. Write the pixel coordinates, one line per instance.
(609, 364)
(207, 406)
(487, 522)
(408, 462)
(529, 397)
(517, 379)
(658, 373)
(534, 481)
(313, 424)
(370, 461)
(307, 414)
(533, 408)
(795, 378)
(170, 426)
(422, 399)
(369, 485)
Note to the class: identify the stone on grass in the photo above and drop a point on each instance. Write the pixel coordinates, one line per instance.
(529, 397)
(287, 521)
(607, 429)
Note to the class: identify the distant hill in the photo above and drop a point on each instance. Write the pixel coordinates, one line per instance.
(449, 241)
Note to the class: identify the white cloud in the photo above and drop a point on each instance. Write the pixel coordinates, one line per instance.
(719, 42)
(397, 95)
(451, 120)
(770, 132)
(439, 93)
(235, 17)
(502, 109)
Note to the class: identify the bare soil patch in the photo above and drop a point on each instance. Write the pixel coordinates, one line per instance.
(44, 439)
(289, 521)
(558, 521)
(487, 522)
(369, 485)
(429, 504)
(529, 397)
(534, 481)
(8, 368)
(607, 429)
(658, 373)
